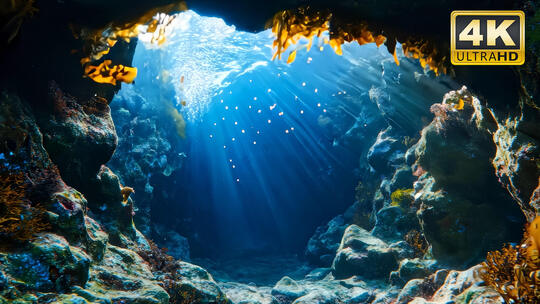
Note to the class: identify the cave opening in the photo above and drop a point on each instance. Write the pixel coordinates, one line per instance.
(246, 156)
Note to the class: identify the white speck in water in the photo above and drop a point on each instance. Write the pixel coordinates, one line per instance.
(254, 98)
(301, 111)
(303, 84)
(269, 121)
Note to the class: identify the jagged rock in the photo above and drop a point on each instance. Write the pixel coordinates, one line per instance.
(454, 150)
(49, 264)
(459, 287)
(393, 222)
(197, 285)
(69, 209)
(112, 206)
(363, 255)
(121, 277)
(322, 246)
(411, 269)
(97, 239)
(403, 250)
(386, 152)
(515, 162)
(78, 137)
(424, 287)
(287, 290)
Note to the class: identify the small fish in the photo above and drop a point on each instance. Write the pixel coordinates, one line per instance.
(183, 103)
(182, 79)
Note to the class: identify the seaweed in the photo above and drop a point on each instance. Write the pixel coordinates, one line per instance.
(104, 73)
(417, 241)
(20, 220)
(402, 198)
(514, 270)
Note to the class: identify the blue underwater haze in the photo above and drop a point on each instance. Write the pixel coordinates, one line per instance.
(269, 150)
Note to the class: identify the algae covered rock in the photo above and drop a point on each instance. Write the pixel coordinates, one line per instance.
(79, 137)
(459, 287)
(362, 254)
(460, 184)
(196, 285)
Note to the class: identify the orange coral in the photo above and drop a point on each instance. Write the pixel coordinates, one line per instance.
(103, 73)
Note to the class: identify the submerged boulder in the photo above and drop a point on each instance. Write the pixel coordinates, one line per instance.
(287, 290)
(361, 254)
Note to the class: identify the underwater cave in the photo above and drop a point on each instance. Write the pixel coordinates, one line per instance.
(263, 153)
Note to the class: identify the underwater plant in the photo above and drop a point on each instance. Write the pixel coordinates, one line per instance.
(401, 197)
(19, 220)
(514, 271)
(104, 73)
(14, 12)
(290, 25)
(417, 241)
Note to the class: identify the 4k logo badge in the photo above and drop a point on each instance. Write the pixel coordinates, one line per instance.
(487, 37)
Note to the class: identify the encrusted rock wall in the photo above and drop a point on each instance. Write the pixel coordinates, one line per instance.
(87, 251)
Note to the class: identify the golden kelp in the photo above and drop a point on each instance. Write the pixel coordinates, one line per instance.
(514, 271)
(104, 73)
(12, 14)
(179, 122)
(101, 40)
(289, 26)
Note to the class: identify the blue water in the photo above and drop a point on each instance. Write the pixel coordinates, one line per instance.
(273, 150)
